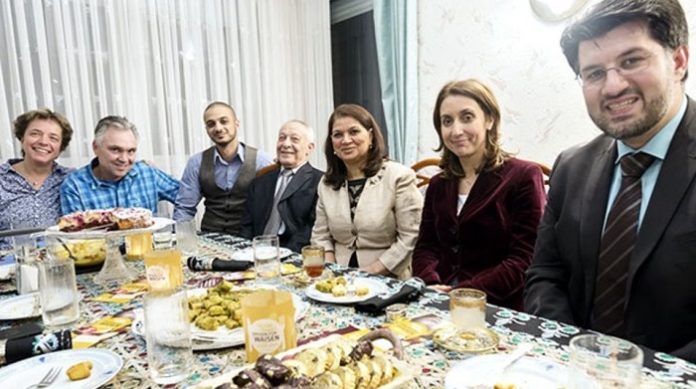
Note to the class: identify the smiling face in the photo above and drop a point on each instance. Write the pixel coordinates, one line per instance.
(294, 145)
(351, 140)
(41, 141)
(632, 107)
(115, 150)
(463, 127)
(221, 125)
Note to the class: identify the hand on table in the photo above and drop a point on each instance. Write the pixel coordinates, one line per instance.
(376, 267)
(330, 257)
(441, 288)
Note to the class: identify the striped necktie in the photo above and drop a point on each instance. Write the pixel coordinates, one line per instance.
(617, 246)
(273, 224)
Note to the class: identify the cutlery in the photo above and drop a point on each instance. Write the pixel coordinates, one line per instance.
(496, 372)
(47, 380)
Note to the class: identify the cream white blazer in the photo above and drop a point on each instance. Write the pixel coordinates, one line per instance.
(385, 226)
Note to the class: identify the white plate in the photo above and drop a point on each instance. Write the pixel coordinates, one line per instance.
(7, 271)
(105, 365)
(20, 307)
(159, 223)
(376, 287)
(405, 371)
(527, 373)
(222, 337)
(247, 254)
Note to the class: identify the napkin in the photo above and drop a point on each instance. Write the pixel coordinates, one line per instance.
(217, 264)
(410, 290)
(28, 346)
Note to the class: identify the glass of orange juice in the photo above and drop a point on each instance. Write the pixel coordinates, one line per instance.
(163, 270)
(138, 245)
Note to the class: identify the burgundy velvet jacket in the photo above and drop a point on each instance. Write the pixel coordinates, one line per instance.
(490, 244)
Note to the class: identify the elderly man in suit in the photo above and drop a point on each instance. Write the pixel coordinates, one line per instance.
(616, 249)
(282, 202)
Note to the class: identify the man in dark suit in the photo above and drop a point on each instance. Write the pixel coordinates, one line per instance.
(282, 202)
(593, 266)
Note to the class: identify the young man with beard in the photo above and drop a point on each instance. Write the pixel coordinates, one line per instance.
(282, 202)
(616, 249)
(220, 174)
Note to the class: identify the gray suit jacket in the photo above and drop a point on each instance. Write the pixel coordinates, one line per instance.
(661, 305)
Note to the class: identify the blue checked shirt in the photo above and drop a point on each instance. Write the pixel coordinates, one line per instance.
(144, 186)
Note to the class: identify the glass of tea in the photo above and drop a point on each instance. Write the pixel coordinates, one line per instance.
(313, 260)
(468, 308)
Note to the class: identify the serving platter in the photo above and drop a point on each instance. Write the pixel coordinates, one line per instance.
(404, 375)
(221, 338)
(158, 224)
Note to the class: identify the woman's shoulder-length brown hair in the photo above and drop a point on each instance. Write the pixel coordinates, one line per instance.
(335, 168)
(494, 155)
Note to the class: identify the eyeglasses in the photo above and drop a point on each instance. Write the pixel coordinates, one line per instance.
(596, 76)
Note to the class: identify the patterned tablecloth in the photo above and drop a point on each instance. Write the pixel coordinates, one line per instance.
(550, 338)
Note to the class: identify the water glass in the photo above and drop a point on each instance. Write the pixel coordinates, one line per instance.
(313, 260)
(163, 238)
(60, 301)
(613, 362)
(468, 308)
(266, 257)
(168, 336)
(186, 239)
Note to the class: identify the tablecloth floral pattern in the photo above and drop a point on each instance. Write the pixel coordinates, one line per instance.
(550, 338)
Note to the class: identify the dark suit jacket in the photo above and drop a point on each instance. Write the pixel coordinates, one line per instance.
(660, 311)
(489, 245)
(296, 207)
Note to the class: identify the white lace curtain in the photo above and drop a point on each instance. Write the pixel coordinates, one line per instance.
(159, 62)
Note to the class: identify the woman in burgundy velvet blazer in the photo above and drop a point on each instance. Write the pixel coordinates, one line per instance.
(481, 213)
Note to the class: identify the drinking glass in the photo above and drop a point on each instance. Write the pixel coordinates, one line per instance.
(313, 260)
(163, 270)
(58, 292)
(168, 336)
(613, 362)
(26, 267)
(138, 245)
(468, 308)
(163, 237)
(186, 239)
(266, 257)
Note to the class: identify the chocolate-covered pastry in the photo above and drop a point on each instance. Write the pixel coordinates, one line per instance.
(273, 369)
(300, 381)
(251, 377)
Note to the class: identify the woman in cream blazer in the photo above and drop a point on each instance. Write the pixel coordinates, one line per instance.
(377, 228)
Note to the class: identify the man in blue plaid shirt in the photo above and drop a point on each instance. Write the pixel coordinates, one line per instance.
(114, 178)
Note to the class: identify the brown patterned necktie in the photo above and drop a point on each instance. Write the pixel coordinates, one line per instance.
(617, 246)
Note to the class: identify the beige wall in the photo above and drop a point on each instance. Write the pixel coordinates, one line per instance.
(504, 44)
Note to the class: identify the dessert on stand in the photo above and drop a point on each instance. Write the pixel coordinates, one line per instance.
(112, 225)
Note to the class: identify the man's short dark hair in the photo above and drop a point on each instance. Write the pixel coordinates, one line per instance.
(665, 18)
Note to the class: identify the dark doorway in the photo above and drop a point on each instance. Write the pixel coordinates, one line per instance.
(355, 68)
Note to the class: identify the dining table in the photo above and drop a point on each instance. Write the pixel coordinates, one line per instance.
(431, 362)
